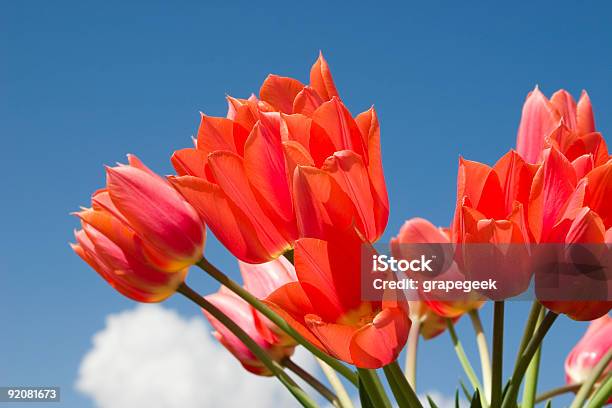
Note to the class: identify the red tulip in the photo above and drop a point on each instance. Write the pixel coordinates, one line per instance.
(583, 358)
(566, 210)
(559, 122)
(140, 234)
(421, 231)
(561, 135)
(490, 222)
(325, 304)
(291, 164)
(249, 320)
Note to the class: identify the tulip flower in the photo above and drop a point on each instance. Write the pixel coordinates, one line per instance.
(249, 320)
(262, 280)
(325, 305)
(421, 231)
(564, 209)
(560, 134)
(583, 358)
(560, 122)
(140, 235)
(293, 163)
(490, 222)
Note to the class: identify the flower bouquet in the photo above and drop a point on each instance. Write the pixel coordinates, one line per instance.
(292, 184)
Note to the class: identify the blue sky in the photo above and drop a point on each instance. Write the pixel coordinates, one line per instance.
(84, 83)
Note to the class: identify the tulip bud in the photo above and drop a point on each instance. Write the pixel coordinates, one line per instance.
(251, 322)
(140, 234)
(583, 358)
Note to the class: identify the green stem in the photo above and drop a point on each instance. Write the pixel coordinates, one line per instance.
(402, 390)
(498, 354)
(531, 379)
(556, 392)
(589, 384)
(226, 281)
(336, 384)
(603, 393)
(465, 362)
(520, 368)
(411, 351)
(312, 381)
(260, 353)
(483, 349)
(374, 388)
(530, 325)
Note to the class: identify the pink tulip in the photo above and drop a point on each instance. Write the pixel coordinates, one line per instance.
(583, 358)
(140, 235)
(250, 321)
(559, 122)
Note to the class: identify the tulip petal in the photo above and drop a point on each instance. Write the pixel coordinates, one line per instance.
(566, 106)
(419, 230)
(295, 155)
(228, 222)
(585, 120)
(292, 304)
(280, 92)
(481, 185)
(599, 191)
(321, 79)
(215, 134)
(230, 174)
(553, 184)
(515, 177)
(307, 101)
(370, 129)
(125, 272)
(587, 227)
(264, 165)
(243, 112)
(321, 205)
(380, 342)
(335, 337)
(590, 143)
(157, 212)
(349, 171)
(561, 137)
(539, 118)
(340, 127)
(331, 268)
(111, 227)
(189, 162)
(239, 312)
(583, 165)
(134, 161)
(296, 127)
(263, 279)
(321, 284)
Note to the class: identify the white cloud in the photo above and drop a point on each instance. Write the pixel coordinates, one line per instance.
(152, 357)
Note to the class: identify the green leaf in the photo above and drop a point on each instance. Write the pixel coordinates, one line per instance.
(467, 394)
(366, 402)
(549, 404)
(505, 390)
(433, 404)
(476, 400)
(457, 399)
